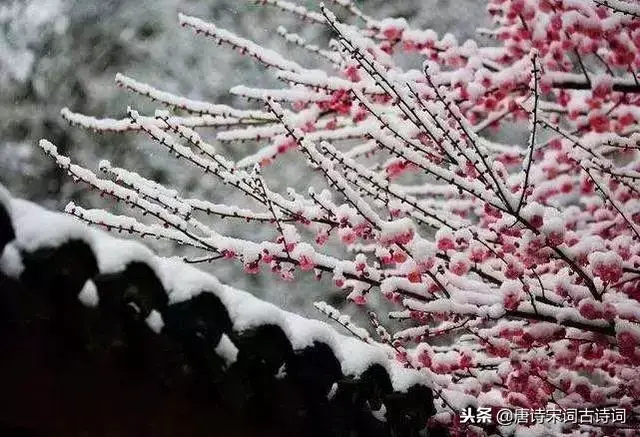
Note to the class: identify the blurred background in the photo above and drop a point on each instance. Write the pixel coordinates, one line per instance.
(57, 53)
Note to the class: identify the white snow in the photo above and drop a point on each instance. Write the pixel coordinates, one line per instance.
(89, 294)
(11, 261)
(380, 414)
(36, 227)
(227, 350)
(332, 391)
(268, 57)
(5, 199)
(154, 321)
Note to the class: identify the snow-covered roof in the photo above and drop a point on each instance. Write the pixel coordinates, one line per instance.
(221, 329)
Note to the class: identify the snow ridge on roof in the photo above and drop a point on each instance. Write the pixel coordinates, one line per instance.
(37, 230)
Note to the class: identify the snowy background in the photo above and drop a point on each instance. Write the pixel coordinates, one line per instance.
(57, 53)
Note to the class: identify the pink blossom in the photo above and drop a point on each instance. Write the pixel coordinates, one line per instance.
(513, 271)
(287, 275)
(359, 300)
(459, 267)
(399, 257)
(536, 221)
(352, 73)
(306, 263)
(555, 239)
(321, 238)
(607, 267)
(599, 123)
(414, 277)
(252, 267)
(392, 33)
(478, 254)
(590, 309)
(492, 211)
(348, 237)
(512, 297)
(267, 257)
(395, 169)
(446, 244)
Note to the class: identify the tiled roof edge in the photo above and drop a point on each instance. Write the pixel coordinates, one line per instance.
(219, 334)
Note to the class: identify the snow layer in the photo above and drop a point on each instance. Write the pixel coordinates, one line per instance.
(37, 228)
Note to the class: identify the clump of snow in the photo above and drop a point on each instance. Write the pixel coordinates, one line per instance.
(227, 350)
(380, 414)
(332, 391)
(398, 231)
(113, 255)
(37, 228)
(5, 199)
(89, 294)
(11, 261)
(154, 321)
(622, 325)
(403, 379)
(356, 356)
